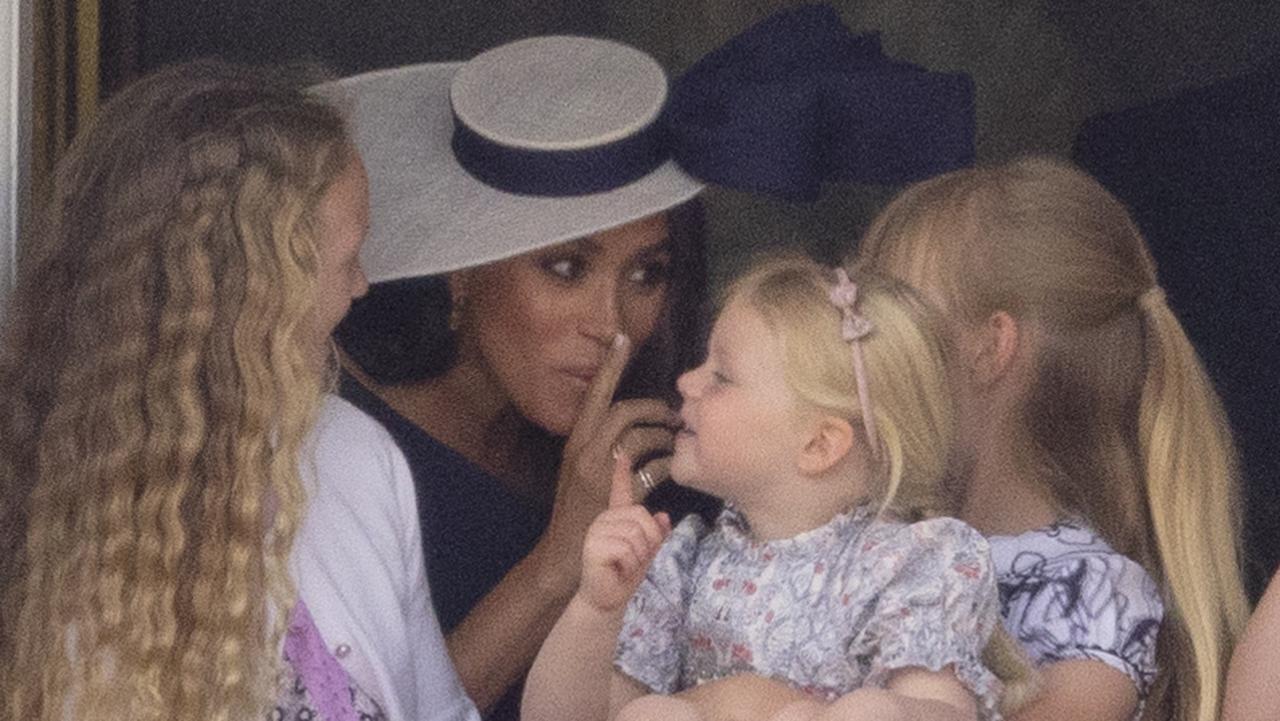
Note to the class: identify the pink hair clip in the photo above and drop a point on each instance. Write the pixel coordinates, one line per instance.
(853, 328)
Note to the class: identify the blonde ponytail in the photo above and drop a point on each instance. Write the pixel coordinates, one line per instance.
(1122, 422)
(1190, 467)
(1006, 659)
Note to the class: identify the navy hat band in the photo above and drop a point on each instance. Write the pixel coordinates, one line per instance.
(558, 173)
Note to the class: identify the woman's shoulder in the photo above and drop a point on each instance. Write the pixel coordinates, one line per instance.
(355, 397)
(427, 456)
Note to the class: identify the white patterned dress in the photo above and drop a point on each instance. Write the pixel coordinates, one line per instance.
(1065, 594)
(828, 611)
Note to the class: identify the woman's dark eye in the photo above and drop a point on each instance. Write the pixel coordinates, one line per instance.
(565, 268)
(719, 378)
(651, 274)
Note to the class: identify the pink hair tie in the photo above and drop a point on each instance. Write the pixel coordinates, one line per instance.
(853, 328)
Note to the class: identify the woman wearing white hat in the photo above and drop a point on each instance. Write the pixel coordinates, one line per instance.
(507, 312)
(528, 237)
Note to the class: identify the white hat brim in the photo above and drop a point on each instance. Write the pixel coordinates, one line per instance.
(429, 216)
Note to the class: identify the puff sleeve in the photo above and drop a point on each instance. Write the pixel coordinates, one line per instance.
(1098, 606)
(938, 608)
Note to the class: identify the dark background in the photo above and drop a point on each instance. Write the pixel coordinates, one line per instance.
(1173, 104)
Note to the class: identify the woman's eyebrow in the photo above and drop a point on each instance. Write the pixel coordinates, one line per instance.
(587, 245)
(658, 248)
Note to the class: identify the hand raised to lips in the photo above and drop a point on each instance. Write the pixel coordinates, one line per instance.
(642, 428)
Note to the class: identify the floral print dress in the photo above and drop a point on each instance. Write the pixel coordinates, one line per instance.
(319, 688)
(829, 611)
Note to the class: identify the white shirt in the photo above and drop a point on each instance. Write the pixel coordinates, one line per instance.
(1066, 594)
(358, 563)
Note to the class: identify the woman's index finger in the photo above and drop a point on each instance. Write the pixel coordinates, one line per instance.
(605, 384)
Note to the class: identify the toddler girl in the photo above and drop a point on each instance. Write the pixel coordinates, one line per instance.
(821, 416)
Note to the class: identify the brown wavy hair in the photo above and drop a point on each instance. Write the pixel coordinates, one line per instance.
(1125, 426)
(157, 393)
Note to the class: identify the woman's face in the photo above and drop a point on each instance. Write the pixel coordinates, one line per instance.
(540, 324)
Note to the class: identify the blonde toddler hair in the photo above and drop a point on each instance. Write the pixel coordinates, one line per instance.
(906, 358)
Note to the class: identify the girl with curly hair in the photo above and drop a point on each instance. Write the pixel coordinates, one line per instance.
(165, 360)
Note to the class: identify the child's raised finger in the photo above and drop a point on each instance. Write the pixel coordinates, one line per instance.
(620, 487)
(654, 532)
(637, 516)
(664, 523)
(640, 535)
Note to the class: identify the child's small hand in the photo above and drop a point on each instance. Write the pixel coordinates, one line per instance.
(619, 546)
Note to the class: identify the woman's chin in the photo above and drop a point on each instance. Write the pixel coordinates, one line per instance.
(555, 421)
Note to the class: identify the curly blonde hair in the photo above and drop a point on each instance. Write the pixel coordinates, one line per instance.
(158, 393)
(1124, 424)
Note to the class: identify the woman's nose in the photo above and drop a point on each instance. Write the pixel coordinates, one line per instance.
(602, 313)
(687, 383)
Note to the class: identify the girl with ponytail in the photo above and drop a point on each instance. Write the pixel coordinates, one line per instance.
(1094, 452)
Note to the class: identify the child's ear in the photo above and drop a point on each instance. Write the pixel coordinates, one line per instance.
(996, 345)
(829, 442)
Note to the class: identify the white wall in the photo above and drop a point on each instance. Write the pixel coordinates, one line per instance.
(15, 133)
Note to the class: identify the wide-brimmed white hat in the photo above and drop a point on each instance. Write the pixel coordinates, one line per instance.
(569, 126)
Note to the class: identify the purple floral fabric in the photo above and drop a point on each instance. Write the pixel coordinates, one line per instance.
(829, 611)
(296, 704)
(321, 689)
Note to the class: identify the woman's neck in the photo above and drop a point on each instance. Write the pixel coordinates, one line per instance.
(463, 410)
